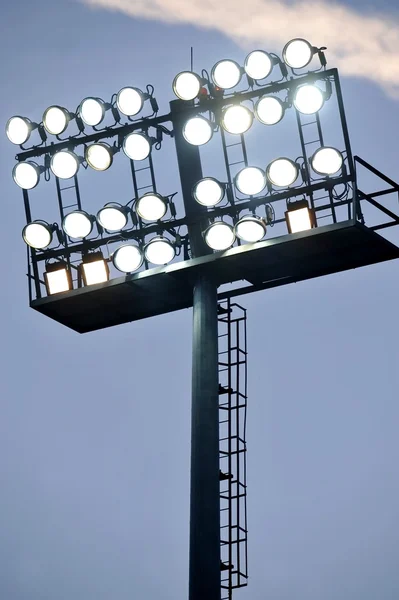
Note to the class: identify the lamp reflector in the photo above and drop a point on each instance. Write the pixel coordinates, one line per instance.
(326, 161)
(208, 192)
(159, 251)
(18, 130)
(37, 234)
(299, 217)
(94, 269)
(308, 99)
(112, 217)
(269, 110)
(151, 207)
(129, 101)
(127, 258)
(297, 53)
(99, 156)
(220, 236)
(237, 119)
(226, 74)
(250, 181)
(282, 172)
(56, 119)
(57, 278)
(258, 64)
(77, 224)
(186, 85)
(92, 111)
(197, 131)
(137, 146)
(26, 175)
(250, 229)
(64, 164)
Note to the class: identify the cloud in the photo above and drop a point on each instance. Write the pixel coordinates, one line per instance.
(360, 45)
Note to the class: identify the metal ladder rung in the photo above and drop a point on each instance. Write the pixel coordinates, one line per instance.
(70, 205)
(70, 187)
(142, 169)
(239, 162)
(310, 123)
(144, 187)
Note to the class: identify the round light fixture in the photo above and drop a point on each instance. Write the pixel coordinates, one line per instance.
(269, 110)
(127, 258)
(92, 111)
(250, 181)
(208, 192)
(18, 130)
(99, 156)
(308, 99)
(327, 161)
(226, 74)
(258, 64)
(137, 146)
(250, 229)
(56, 119)
(26, 174)
(220, 236)
(237, 119)
(64, 164)
(186, 85)
(77, 224)
(297, 53)
(282, 172)
(112, 217)
(197, 131)
(159, 251)
(37, 234)
(151, 207)
(130, 101)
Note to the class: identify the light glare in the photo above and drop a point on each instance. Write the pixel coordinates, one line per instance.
(127, 258)
(208, 192)
(57, 281)
(151, 207)
(95, 271)
(186, 85)
(18, 130)
(250, 181)
(326, 161)
(308, 99)
(37, 235)
(282, 172)
(159, 251)
(136, 146)
(197, 131)
(99, 156)
(299, 219)
(26, 175)
(129, 101)
(92, 111)
(250, 229)
(112, 218)
(64, 164)
(219, 236)
(226, 74)
(237, 119)
(258, 64)
(269, 110)
(297, 53)
(77, 225)
(55, 119)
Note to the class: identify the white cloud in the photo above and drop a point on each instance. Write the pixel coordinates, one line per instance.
(360, 45)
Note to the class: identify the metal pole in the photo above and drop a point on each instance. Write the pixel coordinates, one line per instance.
(204, 572)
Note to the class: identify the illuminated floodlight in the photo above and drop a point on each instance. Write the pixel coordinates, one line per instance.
(130, 101)
(282, 172)
(308, 99)
(127, 258)
(298, 53)
(250, 181)
(99, 156)
(18, 129)
(94, 269)
(269, 110)
(258, 64)
(137, 146)
(38, 234)
(250, 229)
(92, 111)
(56, 119)
(237, 119)
(197, 131)
(327, 161)
(187, 85)
(112, 217)
(226, 74)
(57, 278)
(77, 224)
(159, 251)
(220, 236)
(26, 174)
(64, 164)
(151, 206)
(299, 216)
(208, 191)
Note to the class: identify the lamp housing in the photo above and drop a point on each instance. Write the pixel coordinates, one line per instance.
(94, 269)
(299, 217)
(57, 278)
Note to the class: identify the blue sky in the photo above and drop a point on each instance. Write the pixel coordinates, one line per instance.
(94, 429)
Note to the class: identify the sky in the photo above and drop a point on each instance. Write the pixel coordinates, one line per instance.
(95, 428)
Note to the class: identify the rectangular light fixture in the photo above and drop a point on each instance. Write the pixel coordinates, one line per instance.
(57, 278)
(299, 216)
(94, 269)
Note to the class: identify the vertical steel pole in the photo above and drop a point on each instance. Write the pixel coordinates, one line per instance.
(204, 575)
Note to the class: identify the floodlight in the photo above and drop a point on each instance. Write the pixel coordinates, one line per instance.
(219, 236)
(269, 110)
(38, 234)
(237, 119)
(250, 229)
(187, 85)
(127, 258)
(92, 111)
(226, 74)
(18, 129)
(197, 131)
(57, 278)
(112, 217)
(299, 216)
(208, 192)
(77, 224)
(250, 181)
(99, 156)
(258, 64)
(159, 251)
(282, 172)
(308, 99)
(137, 146)
(26, 174)
(56, 119)
(130, 101)
(298, 53)
(151, 206)
(326, 161)
(94, 269)
(64, 164)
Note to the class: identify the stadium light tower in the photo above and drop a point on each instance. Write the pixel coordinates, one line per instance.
(294, 218)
